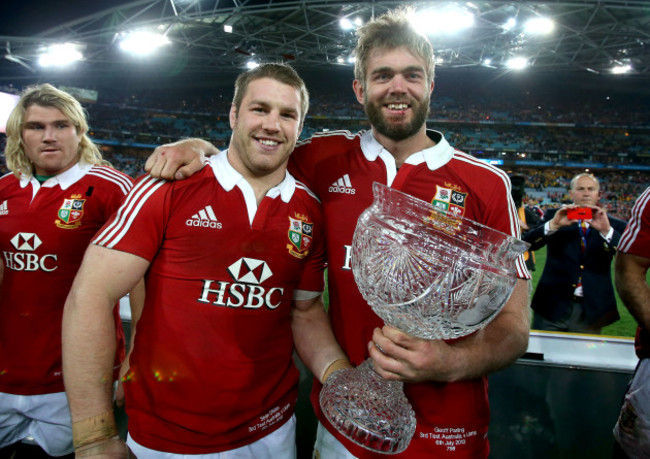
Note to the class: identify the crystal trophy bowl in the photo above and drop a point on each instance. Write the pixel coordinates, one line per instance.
(429, 273)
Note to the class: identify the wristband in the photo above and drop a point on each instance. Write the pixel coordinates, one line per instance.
(106, 446)
(94, 429)
(338, 364)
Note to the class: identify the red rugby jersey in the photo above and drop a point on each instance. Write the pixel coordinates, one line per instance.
(636, 241)
(212, 365)
(44, 232)
(452, 419)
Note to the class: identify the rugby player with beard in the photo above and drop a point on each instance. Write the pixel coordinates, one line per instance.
(446, 382)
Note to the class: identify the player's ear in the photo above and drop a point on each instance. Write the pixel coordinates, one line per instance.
(358, 90)
(233, 116)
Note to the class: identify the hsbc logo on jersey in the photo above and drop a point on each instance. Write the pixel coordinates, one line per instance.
(26, 241)
(250, 271)
(24, 259)
(246, 292)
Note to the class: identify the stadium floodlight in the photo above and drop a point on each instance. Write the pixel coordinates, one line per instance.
(539, 26)
(445, 21)
(252, 65)
(142, 42)
(509, 24)
(227, 28)
(347, 24)
(621, 69)
(517, 63)
(60, 55)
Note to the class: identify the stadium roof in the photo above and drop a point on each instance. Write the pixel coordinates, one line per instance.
(590, 37)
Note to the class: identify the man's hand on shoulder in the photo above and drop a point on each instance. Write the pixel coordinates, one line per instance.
(179, 160)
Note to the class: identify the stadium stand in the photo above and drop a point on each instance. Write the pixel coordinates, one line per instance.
(546, 143)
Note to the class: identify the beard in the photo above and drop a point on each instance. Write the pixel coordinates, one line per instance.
(397, 132)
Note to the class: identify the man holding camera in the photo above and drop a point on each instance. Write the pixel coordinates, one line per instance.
(575, 292)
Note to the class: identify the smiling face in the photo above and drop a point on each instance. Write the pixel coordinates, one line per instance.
(396, 94)
(265, 128)
(50, 140)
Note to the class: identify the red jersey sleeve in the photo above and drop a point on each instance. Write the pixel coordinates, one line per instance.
(312, 278)
(138, 225)
(636, 238)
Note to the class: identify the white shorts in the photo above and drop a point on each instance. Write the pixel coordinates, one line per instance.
(632, 431)
(328, 447)
(45, 418)
(280, 444)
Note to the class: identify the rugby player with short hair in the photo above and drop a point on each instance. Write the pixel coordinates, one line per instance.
(446, 382)
(227, 298)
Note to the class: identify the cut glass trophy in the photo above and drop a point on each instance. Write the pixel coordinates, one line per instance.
(429, 273)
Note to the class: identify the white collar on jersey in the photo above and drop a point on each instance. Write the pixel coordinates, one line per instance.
(228, 177)
(435, 157)
(64, 180)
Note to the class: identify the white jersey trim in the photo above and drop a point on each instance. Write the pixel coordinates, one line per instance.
(228, 177)
(436, 157)
(634, 225)
(127, 212)
(513, 216)
(113, 176)
(341, 132)
(302, 186)
(68, 178)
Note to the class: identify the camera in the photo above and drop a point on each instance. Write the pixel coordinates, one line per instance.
(579, 213)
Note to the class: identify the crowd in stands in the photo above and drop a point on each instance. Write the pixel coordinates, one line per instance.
(545, 133)
(548, 188)
(598, 131)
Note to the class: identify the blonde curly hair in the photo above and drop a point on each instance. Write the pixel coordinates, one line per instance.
(46, 95)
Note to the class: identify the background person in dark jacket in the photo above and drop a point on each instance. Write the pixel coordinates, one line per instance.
(575, 292)
(528, 218)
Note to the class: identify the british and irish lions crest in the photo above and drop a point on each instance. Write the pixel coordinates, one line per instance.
(70, 212)
(430, 272)
(301, 233)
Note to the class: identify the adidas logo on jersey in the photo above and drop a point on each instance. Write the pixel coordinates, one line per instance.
(4, 209)
(342, 185)
(205, 218)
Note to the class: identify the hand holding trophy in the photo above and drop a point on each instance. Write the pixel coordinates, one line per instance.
(430, 274)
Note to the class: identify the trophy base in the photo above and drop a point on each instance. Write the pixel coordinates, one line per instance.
(369, 410)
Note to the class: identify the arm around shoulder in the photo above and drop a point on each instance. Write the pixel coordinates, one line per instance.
(179, 160)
